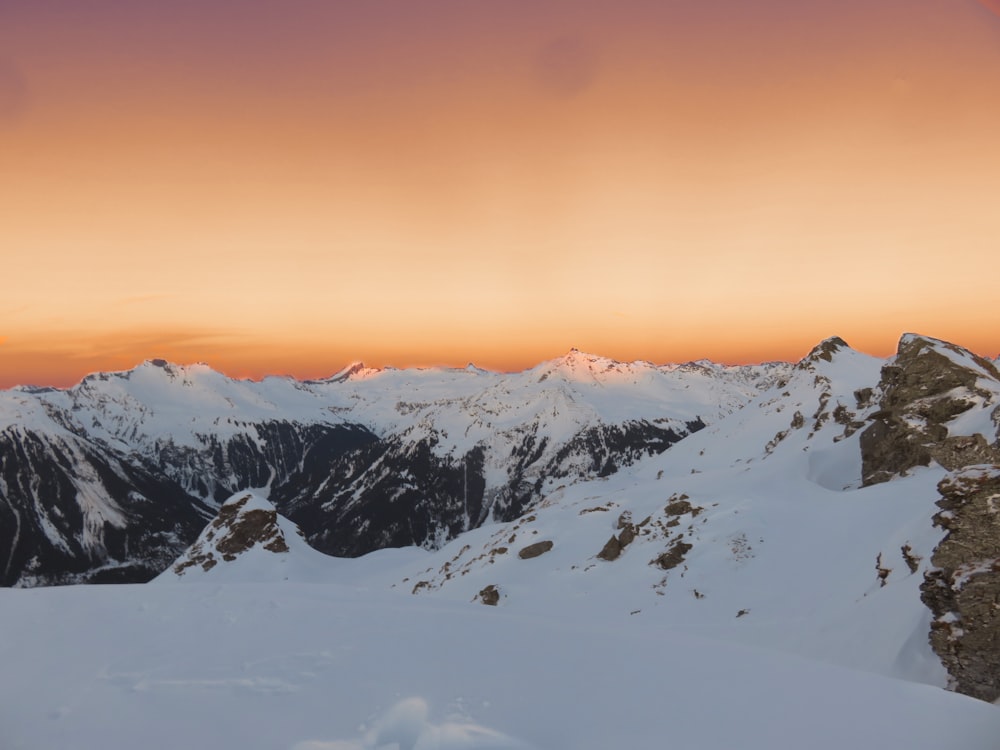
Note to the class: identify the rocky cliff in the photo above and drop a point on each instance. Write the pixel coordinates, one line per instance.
(962, 588)
(939, 406)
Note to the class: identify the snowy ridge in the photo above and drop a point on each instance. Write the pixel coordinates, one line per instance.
(160, 401)
(401, 442)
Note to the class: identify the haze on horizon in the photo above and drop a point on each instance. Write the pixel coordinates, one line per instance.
(286, 187)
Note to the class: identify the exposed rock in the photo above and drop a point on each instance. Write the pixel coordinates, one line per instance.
(678, 505)
(534, 550)
(912, 560)
(824, 350)
(923, 388)
(673, 557)
(882, 571)
(490, 595)
(616, 544)
(611, 551)
(627, 535)
(962, 588)
(773, 442)
(235, 530)
(863, 397)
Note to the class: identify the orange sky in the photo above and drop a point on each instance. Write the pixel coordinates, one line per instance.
(284, 187)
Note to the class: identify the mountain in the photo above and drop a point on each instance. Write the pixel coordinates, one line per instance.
(113, 478)
(809, 568)
(767, 529)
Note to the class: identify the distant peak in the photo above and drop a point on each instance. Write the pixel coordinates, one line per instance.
(575, 355)
(354, 371)
(159, 364)
(172, 368)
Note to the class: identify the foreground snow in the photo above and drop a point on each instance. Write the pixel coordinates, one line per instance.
(330, 667)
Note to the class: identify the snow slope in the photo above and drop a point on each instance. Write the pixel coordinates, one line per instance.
(329, 667)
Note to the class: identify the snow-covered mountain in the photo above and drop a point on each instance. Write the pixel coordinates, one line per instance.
(778, 526)
(363, 460)
(807, 569)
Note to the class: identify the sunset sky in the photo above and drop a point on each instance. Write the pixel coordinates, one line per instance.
(283, 187)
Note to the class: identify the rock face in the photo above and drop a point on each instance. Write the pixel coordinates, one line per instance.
(534, 550)
(923, 389)
(243, 523)
(939, 404)
(962, 588)
(72, 511)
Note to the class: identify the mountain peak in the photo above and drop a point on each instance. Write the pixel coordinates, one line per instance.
(354, 371)
(171, 369)
(913, 345)
(825, 350)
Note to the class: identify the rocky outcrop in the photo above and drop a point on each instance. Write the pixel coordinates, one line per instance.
(535, 550)
(243, 523)
(922, 389)
(490, 595)
(962, 588)
(824, 350)
(614, 547)
(938, 404)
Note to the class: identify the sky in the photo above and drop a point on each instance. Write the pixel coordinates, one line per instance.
(285, 187)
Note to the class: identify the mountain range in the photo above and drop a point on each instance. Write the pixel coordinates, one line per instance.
(842, 508)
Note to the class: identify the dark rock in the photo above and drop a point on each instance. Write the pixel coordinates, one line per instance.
(674, 556)
(611, 551)
(825, 350)
(912, 561)
(490, 595)
(921, 392)
(534, 550)
(962, 587)
(678, 506)
(627, 536)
